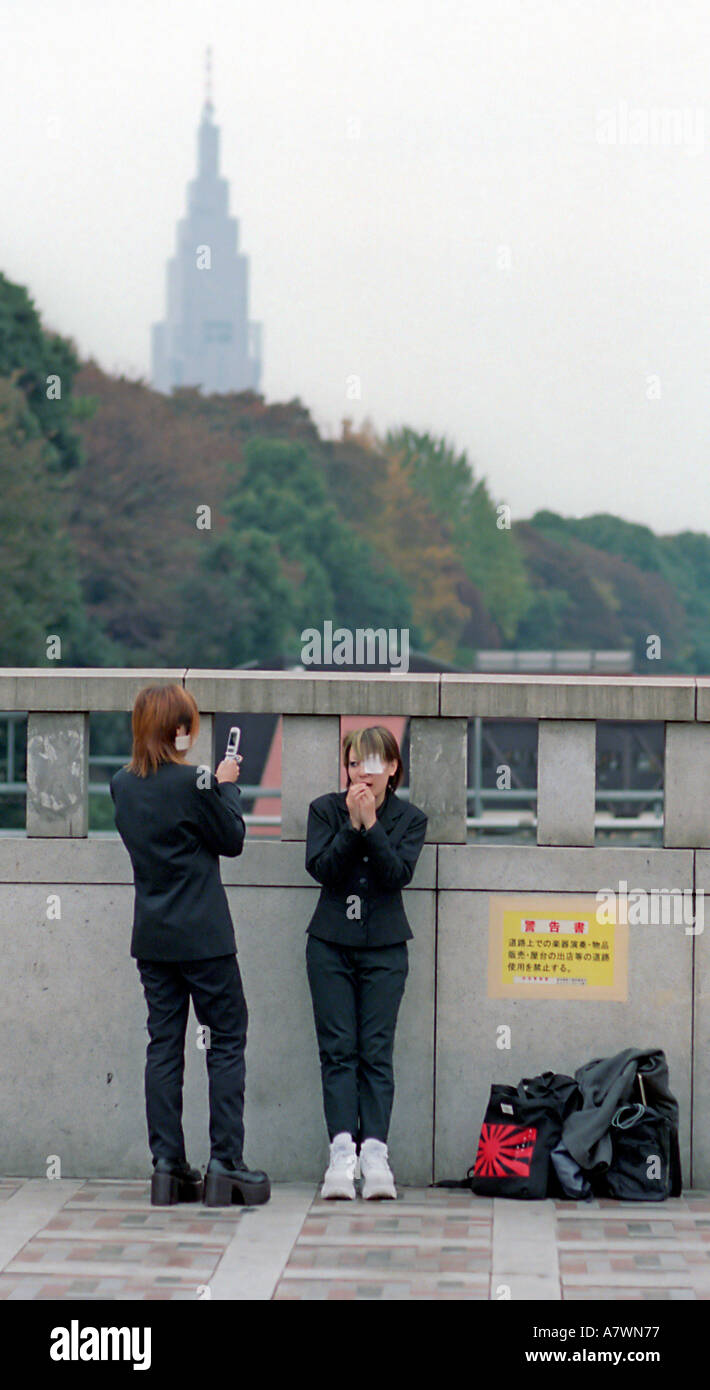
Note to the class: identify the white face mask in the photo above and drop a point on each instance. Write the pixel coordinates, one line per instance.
(183, 742)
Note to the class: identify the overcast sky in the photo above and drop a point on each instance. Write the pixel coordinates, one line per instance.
(514, 251)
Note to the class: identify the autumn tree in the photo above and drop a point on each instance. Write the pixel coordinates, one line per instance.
(486, 548)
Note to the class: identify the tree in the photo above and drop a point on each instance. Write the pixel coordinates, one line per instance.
(236, 603)
(406, 532)
(133, 515)
(588, 598)
(29, 356)
(332, 572)
(488, 553)
(40, 594)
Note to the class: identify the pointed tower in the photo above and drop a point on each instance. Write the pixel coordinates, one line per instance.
(206, 338)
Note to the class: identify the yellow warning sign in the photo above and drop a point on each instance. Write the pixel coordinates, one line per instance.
(553, 947)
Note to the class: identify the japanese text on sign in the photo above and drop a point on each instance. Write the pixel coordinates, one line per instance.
(555, 946)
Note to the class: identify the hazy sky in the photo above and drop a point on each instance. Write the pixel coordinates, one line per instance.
(507, 253)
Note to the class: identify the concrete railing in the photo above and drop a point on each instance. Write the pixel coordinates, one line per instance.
(71, 1074)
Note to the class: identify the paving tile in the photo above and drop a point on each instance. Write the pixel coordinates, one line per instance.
(603, 1293)
(9, 1186)
(100, 1239)
(424, 1290)
(327, 1273)
(159, 1225)
(521, 1286)
(111, 1287)
(413, 1259)
(617, 1278)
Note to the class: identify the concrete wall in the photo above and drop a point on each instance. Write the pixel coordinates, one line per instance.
(71, 1070)
(71, 1067)
(71, 1063)
(552, 1034)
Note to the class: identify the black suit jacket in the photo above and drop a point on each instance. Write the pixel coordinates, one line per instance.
(367, 867)
(175, 830)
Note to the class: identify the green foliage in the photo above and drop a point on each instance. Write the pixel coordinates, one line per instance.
(488, 553)
(39, 582)
(640, 585)
(637, 544)
(235, 605)
(688, 556)
(29, 355)
(321, 568)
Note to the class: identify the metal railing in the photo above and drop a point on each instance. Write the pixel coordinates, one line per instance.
(439, 708)
(492, 809)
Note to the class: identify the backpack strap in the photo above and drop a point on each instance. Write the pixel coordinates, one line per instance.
(452, 1182)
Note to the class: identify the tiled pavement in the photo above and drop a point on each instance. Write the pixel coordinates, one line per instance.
(101, 1239)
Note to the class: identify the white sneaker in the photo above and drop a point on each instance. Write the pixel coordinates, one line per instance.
(377, 1174)
(342, 1169)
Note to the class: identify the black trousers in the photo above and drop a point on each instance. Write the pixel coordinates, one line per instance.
(215, 986)
(356, 993)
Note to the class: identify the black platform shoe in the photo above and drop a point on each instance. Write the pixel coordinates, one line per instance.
(174, 1182)
(228, 1183)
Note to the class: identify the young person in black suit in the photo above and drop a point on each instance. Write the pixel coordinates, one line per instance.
(175, 820)
(362, 845)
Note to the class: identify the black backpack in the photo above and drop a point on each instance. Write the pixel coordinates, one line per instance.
(523, 1125)
(520, 1129)
(645, 1164)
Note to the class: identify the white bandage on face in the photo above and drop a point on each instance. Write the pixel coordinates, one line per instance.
(373, 763)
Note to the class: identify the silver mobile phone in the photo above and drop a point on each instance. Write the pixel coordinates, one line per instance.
(235, 734)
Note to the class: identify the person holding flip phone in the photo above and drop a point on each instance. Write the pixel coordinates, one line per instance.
(362, 845)
(175, 820)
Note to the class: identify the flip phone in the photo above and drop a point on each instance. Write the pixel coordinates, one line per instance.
(235, 734)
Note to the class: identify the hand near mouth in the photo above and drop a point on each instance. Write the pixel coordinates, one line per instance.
(365, 801)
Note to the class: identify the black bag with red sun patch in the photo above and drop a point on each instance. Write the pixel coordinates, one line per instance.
(521, 1127)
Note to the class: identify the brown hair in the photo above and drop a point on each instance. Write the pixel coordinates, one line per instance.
(375, 739)
(158, 712)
